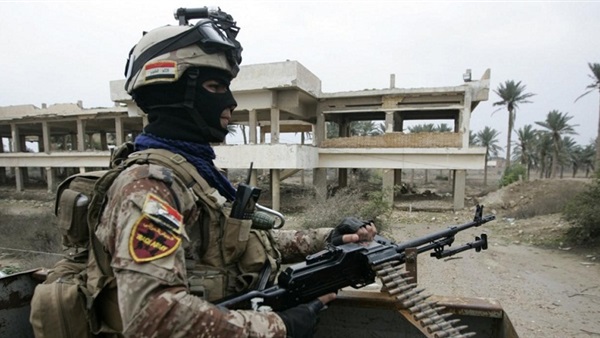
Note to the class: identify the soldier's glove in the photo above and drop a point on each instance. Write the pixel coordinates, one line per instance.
(349, 225)
(300, 321)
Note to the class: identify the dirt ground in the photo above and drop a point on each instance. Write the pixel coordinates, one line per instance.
(547, 288)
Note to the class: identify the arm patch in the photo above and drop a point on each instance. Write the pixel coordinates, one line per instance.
(149, 242)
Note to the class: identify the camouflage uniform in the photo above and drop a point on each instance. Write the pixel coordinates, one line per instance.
(148, 260)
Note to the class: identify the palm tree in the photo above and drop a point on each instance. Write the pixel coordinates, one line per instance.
(543, 148)
(558, 125)
(582, 158)
(422, 128)
(473, 139)
(567, 154)
(443, 128)
(364, 128)
(243, 130)
(512, 95)
(488, 138)
(595, 68)
(587, 158)
(524, 147)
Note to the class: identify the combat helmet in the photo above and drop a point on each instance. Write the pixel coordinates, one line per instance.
(165, 53)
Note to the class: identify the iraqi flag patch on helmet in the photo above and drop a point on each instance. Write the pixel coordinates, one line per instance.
(164, 71)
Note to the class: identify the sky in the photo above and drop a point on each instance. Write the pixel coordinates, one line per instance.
(65, 51)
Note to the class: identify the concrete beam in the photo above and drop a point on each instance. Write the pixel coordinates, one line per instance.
(56, 160)
(407, 158)
(267, 156)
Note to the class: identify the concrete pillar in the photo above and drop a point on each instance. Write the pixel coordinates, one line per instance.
(46, 137)
(103, 141)
(275, 173)
(119, 137)
(320, 174)
(464, 118)
(252, 124)
(2, 169)
(302, 171)
(50, 179)
(342, 177)
(391, 126)
(80, 134)
(343, 172)
(16, 147)
(276, 188)
(274, 119)
(389, 121)
(387, 180)
(458, 191)
(319, 132)
(397, 177)
(80, 140)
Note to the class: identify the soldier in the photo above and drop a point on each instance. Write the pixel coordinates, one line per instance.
(171, 245)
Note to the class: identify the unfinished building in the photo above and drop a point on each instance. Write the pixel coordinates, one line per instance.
(272, 99)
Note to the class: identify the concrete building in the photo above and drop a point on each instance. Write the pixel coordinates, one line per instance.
(272, 98)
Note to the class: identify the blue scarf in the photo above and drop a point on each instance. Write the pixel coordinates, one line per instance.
(199, 155)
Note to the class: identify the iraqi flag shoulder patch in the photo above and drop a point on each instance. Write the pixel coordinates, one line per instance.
(148, 241)
(164, 71)
(163, 214)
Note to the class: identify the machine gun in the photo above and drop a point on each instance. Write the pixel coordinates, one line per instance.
(350, 264)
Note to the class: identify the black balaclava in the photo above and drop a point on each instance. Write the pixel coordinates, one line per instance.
(198, 119)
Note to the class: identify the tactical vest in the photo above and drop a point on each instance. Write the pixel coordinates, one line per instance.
(228, 256)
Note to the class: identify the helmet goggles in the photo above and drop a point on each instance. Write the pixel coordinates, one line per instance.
(216, 33)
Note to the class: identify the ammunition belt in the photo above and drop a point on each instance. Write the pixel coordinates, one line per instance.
(425, 313)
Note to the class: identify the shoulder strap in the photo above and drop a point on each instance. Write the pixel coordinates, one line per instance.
(184, 170)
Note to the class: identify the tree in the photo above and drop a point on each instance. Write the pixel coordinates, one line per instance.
(381, 128)
(357, 128)
(473, 139)
(558, 125)
(583, 158)
(525, 146)
(364, 128)
(422, 128)
(243, 130)
(543, 146)
(595, 76)
(568, 154)
(512, 95)
(488, 138)
(587, 158)
(443, 128)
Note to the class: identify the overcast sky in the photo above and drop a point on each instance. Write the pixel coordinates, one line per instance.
(61, 52)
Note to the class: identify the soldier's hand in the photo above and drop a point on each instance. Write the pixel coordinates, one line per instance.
(352, 230)
(300, 321)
